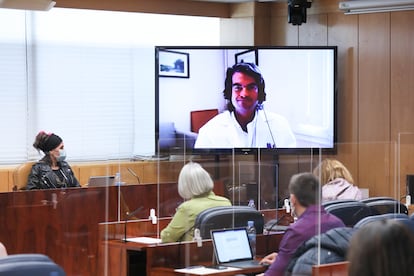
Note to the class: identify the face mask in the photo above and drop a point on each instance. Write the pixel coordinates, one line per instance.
(62, 155)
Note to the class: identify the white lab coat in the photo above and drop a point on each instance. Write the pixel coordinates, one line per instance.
(223, 131)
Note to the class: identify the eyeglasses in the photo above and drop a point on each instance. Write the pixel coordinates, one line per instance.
(251, 87)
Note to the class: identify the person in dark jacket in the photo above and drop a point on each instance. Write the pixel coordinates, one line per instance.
(333, 246)
(51, 171)
(312, 219)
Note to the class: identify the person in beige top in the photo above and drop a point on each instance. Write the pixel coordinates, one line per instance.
(337, 181)
(3, 251)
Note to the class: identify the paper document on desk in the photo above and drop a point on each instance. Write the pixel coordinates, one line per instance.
(202, 270)
(146, 240)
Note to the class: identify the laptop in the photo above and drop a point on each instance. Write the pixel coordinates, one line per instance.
(101, 181)
(232, 248)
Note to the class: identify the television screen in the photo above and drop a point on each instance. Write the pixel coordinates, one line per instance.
(219, 99)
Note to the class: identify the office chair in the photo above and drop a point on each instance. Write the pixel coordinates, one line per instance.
(198, 118)
(337, 201)
(396, 216)
(29, 264)
(375, 198)
(227, 217)
(21, 174)
(349, 212)
(384, 205)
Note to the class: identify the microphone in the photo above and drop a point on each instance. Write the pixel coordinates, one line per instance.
(270, 130)
(287, 205)
(273, 223)
(198, 238)
(152, 216)
(128, 215)
(134, 174)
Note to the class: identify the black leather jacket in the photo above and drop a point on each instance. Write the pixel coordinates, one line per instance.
(43, 177)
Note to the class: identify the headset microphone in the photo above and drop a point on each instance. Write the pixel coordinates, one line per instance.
(268, 145)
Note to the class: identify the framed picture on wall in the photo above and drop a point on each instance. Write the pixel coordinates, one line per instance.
(173, 64)
(247, 56)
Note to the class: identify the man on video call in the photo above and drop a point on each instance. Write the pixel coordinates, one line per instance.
(245, 123)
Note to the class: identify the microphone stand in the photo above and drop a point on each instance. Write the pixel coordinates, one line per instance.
(275, 223)
(134, 174)
(128, 215)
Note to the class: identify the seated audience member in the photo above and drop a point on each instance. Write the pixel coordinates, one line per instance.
(328, 247)
(337, 181)
(196, 187)
(382, 248)
(3, 251)
(51, 171)
(245, 123)
(304, 194)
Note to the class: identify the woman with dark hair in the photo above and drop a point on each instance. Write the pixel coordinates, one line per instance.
(245, 123)
(51, 171)
(382, 248)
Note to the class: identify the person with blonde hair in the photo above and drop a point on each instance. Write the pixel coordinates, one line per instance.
(337, 181)
(3, 250)
(195, 186)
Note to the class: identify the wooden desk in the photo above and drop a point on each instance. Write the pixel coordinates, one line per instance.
(332, 269)
(161, 271)
(121, 259)
(64, 223)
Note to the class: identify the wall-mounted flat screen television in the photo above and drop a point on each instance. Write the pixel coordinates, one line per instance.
(225, 100)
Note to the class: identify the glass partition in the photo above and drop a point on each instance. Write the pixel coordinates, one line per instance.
(113, 226)
(405, 169)
(121, 220)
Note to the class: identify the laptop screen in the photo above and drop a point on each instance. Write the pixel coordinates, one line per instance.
(231, 245)
(99, 181)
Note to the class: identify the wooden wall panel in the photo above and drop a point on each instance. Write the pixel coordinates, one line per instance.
(402, 96)
(4, 180)
(282, 33)
(375, 62)
(92, 169)
(374, 77)
(374, 102)
(343, 32)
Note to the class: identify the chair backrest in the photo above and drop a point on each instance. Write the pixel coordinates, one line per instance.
(349, 212)
(29, 264)
(372, 218)
(227, 217)
(21, 174)
(386, 205)
(200, 117)
(337, 201)
(375, 198)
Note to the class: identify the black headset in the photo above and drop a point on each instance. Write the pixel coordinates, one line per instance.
(249, 69)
